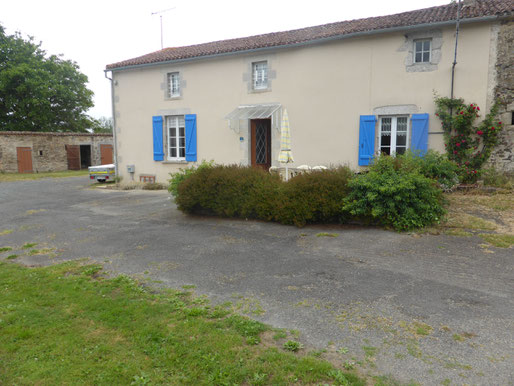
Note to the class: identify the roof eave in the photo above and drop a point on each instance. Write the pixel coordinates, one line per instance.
(317, 41)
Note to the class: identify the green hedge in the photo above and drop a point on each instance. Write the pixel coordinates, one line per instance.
(235, 191)
(395, 193)
(313, 197)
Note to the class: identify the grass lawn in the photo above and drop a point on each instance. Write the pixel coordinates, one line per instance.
(4, 177)
(65, 324)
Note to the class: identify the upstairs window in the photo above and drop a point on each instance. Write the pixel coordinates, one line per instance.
(422, 50)
(175, 125)
(173, 84)
(393, 138)
(260, 75)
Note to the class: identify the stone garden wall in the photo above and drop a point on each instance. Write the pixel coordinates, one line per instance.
(48, 149)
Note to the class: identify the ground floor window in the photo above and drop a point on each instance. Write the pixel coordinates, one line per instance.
(175, 125)
(393, 135)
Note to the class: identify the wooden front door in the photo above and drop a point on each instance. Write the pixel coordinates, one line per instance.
(24, 155)
(261, 143)
(106, 154)
(73, 155)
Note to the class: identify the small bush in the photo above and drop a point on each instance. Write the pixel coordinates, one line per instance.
(392, 195)
(432, 165)
(154, 186)
(292, 345)
(313, 197)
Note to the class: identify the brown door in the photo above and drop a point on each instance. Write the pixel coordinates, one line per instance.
(24, 159)
(261, 143)
(73, 154)
(106, 154)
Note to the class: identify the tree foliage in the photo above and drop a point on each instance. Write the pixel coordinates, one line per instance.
(40, 92)
(102, 125)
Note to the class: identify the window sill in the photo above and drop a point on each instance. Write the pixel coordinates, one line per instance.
(259, 90)
(172, 98)
(175, 161)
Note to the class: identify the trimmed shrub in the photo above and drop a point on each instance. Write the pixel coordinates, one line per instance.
(229, 191)
(394, 195)
(177, 178)
(314, 197)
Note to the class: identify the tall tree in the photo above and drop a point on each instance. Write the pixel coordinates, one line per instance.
(40, 92)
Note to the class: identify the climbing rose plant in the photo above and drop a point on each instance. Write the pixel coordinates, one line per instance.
(468, 145)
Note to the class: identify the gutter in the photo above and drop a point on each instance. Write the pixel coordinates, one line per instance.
(113, 125)
(449, 23)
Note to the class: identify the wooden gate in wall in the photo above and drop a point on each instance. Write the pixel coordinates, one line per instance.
(73, 155)
(106, 154)
(24, 156)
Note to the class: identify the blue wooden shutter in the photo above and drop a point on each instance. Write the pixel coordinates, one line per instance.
(191, 137)
(158, 147)
(366, 139)
(419, 143)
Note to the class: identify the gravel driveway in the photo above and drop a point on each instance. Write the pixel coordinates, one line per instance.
(431, 309)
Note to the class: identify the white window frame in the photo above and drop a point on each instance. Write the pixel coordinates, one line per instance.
(394, 126)
(260, 75)
(173, 84)
(174, 121)
(422, 52)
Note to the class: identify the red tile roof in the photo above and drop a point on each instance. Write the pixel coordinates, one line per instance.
(471, 9)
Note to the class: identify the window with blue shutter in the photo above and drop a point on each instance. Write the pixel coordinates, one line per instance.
(191, 138)
(366, 139)
(419, 143)
(158, 146)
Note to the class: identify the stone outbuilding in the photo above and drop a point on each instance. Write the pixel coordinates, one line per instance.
(34, 152)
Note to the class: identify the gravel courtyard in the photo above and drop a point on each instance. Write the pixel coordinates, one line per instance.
(426, 308)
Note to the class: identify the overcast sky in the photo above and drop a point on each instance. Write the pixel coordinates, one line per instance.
(95, 33)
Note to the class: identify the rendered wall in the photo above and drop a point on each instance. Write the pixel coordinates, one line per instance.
(324, 88)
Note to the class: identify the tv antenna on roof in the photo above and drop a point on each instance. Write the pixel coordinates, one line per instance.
(160, 16)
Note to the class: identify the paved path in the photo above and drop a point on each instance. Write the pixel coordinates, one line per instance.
(429, 308)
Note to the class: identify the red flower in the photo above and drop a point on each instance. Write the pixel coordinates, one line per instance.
(436, 114)
(480, 132)
(492, 128)
(457, 144)
(474, 171)
(500, 123)
(462, 112)
(455, 152)
(478, 108)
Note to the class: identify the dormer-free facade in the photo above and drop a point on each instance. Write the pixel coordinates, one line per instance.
(352, 90)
